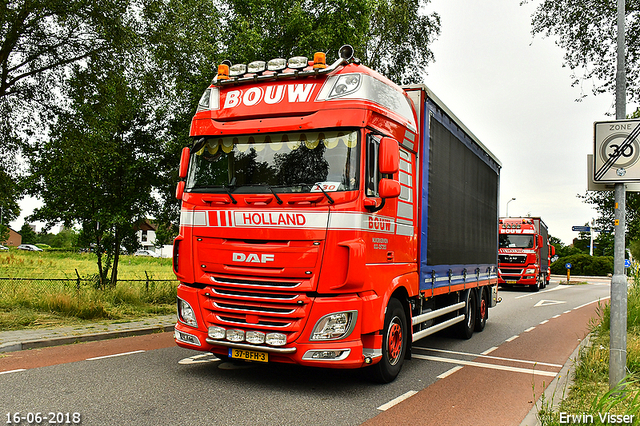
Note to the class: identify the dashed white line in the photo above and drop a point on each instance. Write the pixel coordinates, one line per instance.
(398, 400)
(529, 329)
(557, 316)
(485, 365)
(544, 322)
(13, 371)
(566, 312)
(114, 355)
(512, 338)
(449, 372)
(488, 351)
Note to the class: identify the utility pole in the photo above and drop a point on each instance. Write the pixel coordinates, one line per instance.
(618, 331)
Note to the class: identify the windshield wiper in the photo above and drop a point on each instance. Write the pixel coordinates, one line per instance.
(325, 193)
(274, 194)
(232, 184)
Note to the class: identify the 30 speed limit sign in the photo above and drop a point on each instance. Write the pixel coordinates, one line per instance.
(616, 151)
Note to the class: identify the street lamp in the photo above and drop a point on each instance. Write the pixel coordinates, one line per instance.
(513, 199)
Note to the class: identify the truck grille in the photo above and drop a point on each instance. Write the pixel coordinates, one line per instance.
(511, 258)
(261, 305)
(511, 271)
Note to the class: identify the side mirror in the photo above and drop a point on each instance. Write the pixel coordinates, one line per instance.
(184, 162)
(180, 189)
(389, 188)
(540, 241)
(552, 251)
(389, 156)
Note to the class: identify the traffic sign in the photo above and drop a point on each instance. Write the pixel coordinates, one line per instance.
(581, 228)
(568, 265)
(627, 263)
(616, 151)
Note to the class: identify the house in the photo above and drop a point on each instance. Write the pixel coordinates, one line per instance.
(15, 239)
(146, 234)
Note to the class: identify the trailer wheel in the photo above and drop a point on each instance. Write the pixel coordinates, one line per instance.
(466, 327)
(483, 311)
(394, 343)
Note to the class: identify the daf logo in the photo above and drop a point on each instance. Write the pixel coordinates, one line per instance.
(253, 258)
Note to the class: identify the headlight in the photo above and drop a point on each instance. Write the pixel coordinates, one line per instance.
(334, 326)
(186, 314)
(530, 271)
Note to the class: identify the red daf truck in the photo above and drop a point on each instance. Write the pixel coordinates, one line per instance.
(331, 218)
(524, 253)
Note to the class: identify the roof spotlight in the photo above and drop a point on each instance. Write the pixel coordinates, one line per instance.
(346, 52)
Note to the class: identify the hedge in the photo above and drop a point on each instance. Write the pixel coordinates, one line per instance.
(583, 264)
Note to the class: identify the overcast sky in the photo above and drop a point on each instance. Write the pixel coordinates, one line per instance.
(511, 91)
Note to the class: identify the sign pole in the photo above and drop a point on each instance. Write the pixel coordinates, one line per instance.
(618, 331)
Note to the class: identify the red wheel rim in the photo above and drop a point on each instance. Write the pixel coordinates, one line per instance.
(483, 308)
(394, 341)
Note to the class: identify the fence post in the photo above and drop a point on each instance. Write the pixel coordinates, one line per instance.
(78, 281)
(147, 285)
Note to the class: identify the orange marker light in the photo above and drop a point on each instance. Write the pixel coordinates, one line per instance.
(319, 60)
(223, 72)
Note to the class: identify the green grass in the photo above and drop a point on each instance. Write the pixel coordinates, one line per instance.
(590, 392)
(32, 304)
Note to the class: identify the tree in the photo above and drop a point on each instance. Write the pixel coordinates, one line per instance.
(99, 167)
(587, 31)
(29, 236)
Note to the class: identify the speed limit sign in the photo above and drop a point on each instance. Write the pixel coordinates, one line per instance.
(616, 151)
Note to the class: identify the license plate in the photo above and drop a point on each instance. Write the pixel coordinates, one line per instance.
(248, 355)
(511, 281)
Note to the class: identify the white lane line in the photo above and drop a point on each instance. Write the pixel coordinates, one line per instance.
(398, 400)
(488, 351)
(566, 312)
(114, 355)
(485, 365)
(593, 301)
(450, 372)
(512, 338)
(483, 355)
(529, 329)
(557, 316)
(13, 371)
(544, 322)
(560, 287)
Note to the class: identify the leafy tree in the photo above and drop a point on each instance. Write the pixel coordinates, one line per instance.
(29, 236)
(99, 167)
(587, 31)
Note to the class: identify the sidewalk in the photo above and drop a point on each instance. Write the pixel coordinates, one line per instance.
(17, 340)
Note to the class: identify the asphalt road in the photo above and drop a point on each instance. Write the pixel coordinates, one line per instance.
(149, 381)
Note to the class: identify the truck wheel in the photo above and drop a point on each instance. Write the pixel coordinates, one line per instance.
(538, 285)
(483, 311)
(466, 327)
(394, 343)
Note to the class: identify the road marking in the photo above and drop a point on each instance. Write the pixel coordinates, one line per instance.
(566, 312)
(512, 338)
(488, 351)
(484, 355)
(557, 316)
(544, 322)
(13, 371)
(549, 303)
(450, 372)
(485, 365)
(593, 301)
(397, 400)
(560, 287)
(529, 329)
(114, 355)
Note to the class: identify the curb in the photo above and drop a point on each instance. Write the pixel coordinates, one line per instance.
(67, 340)
(557, 389)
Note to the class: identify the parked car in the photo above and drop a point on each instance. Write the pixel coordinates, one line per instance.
(29, 247)
(146, 253)
(3, 248)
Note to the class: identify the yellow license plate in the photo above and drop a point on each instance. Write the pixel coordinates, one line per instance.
(248, 355)
(511, 281)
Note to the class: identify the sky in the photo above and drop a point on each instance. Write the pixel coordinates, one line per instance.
(511, 90)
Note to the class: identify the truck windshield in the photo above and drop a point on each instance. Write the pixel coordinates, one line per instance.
(284, 162)
(516, 241)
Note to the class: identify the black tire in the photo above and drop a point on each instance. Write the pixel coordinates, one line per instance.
(483, 311)
(394, 344)
(538, 285)
(466, 327)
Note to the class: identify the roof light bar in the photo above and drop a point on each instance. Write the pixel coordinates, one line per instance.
(256, 67)
(277, 64)
(238, 70)
(298, 62)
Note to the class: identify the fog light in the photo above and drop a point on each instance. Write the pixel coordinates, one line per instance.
(276, 339)
(216, 332)
(255, 337)
(186, 338)
(186, 314)
(235, 335)
(327, 354)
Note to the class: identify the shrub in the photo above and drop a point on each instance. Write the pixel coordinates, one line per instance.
(583, 264)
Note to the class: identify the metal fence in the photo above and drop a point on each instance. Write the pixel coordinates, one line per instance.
(67, 285)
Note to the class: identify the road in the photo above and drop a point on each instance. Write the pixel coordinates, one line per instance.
(149, 381)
